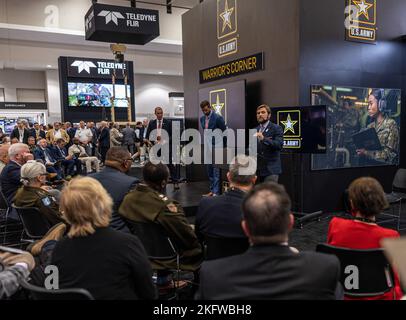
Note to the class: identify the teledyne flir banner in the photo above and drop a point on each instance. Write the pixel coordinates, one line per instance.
(115, 24)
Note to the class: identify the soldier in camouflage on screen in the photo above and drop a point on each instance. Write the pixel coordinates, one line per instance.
(386, 129)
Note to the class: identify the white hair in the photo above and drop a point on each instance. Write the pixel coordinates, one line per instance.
(31, 170)
(15, 149)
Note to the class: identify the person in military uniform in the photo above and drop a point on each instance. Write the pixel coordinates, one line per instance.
(33, 193)
(147, 203)
(386, 129)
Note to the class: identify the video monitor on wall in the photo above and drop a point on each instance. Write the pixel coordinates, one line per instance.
(304, 128)
(363, 126)
(96, 94)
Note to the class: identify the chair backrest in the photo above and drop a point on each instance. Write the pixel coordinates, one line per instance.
(217, 247)
(34, 222)
(39, 293)
(155, 240)
(364, 273)
(3, 202)
(399, 181)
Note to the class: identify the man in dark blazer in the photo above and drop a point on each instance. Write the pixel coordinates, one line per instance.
(45, 153)
(37, 132)
(115, 180)
(212, 121)
(103, 140)
(221, 216)
(129, 138)
(21, 133)
(269, 146)
(270, 269)
(10, 178)
(68, 162)
(159, 124)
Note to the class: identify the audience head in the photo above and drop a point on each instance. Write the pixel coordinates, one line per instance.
(43, 143)
(85, 205)
(20, 124)
(31, 141)
(145, 122)
(36, 126)
(33, 173)
(20, 153)
(367, 197)
(68, 124)
(206, 107)
(4, 153)
(267, 214)
(82, 124)
(57, 125)
(128, 125)
(50, 126)
(156, 175)
(159, 113)
(103, 124)
(76, 141)
(119, 158)
(60, 143)
(14, 141)
(242, 171)
(6, 140)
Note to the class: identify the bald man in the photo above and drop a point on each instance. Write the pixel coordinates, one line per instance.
(4, 159)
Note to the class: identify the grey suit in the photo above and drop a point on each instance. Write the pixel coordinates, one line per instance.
(129, 138)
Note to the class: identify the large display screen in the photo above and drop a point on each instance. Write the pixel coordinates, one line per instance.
(363, 126)
(96, 94)
(8, 125)
(304, 128)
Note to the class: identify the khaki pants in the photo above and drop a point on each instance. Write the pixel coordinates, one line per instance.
(89, 162)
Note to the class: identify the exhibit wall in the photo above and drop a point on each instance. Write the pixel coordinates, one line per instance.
(303, 44)
(326, 58)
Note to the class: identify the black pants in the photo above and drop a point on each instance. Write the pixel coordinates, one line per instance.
(103, 151)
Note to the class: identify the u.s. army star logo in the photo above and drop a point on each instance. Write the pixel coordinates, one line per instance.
(218, 101)
(226, 18)
(289, 125)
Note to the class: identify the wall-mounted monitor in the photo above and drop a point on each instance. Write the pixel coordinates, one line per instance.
(97, 95)
(304, 128)
(363, 126)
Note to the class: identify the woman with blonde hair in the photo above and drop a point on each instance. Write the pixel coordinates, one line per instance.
(108, 263)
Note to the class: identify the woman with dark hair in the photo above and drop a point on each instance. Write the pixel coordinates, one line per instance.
(386, 129)
(367, 200)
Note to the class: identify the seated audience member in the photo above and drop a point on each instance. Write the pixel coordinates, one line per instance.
(221, 216)
(367, 200)
(108, 263)
(78, 152)
(14, 141)
(69, 162)
(32, 144)
(10, 178)
(13, 269)
(34, 193)
(4, 156)
(44, 153)
(269, 269)
(147, 203)
(117, 183)
(6, 140)
(54, 133)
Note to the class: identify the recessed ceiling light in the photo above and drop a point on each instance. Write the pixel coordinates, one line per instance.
(49, 66)
(160, 72)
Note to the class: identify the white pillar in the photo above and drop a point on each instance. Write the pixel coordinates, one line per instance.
(53, 96)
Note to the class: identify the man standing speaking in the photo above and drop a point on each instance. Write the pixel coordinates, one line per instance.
(269, 145)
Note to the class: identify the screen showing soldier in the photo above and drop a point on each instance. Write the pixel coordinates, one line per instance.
(363, 126)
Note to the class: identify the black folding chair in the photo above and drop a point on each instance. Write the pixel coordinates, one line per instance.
(9, 230)
(220, 247)
(364, 273)
(34, 222)
(39, 293)
(157, 244)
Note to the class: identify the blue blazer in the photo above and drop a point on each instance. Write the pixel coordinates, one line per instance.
(269, 160)
(39, 154)
(216, 121)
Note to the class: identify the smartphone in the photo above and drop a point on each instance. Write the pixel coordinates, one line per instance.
(12, 250)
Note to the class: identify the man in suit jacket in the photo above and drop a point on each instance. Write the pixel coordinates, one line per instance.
(57, 133)
(10, 178)
(221, 216)
(71, 133)
(269, 146)
(45, 153)
(270, 269)
(69, 162)
(115, 180)
(21, 133)
(103, 140)
(37, 132)
(160, 124)
(129, 138)
(212, 121)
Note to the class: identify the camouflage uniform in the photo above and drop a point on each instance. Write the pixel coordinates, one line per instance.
(388, 134)
(33, 197)
(147, 205)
